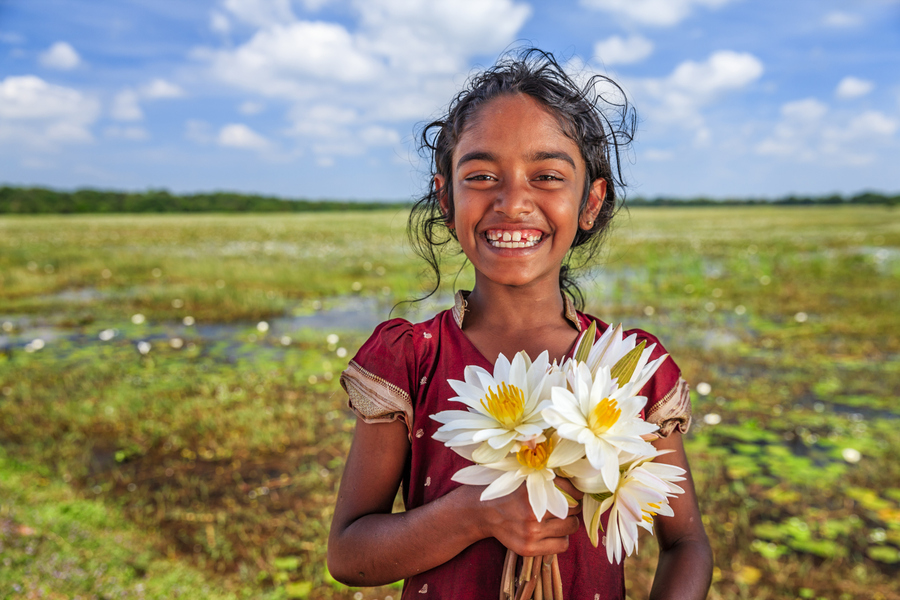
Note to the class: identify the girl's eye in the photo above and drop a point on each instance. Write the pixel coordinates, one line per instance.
(549, 177)
(479, 177)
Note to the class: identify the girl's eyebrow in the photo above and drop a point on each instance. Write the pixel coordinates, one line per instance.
(535, 157)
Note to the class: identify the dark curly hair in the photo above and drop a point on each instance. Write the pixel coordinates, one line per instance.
(600, 122)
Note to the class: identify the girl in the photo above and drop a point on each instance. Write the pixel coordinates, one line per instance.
(522, 173)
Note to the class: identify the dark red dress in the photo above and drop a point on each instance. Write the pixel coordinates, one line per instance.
(402, 372)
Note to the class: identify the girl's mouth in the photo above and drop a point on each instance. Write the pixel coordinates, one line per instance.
(513, 238)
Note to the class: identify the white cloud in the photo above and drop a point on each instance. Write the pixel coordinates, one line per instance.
(680, 97)
(131, 133)
(376, 135)
(617, 50)
(237, 135)
(160, 88)
(841, 19)
(261, 13)
(251, 108)
(660, 13)
(11, 37)
(125, 106)
(219, 23)
(60, 56)
(810, 132)
(393, 60)
(852, 87)
(42, 115)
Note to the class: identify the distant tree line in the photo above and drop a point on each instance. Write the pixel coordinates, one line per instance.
(21, 200)
(35, 200)
(862, 198)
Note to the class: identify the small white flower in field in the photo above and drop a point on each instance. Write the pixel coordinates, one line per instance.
(341, 352)
(220, 283)
(602, 416)
(801, 317)
(356, 286)
(262, 327)
(312, 379)
(710, 306)
(285, 340)
(107, 334)
(106, 273)
(649, 310)
(143, 347)
(8, 326)
(332, 338)
(712, 419)
(704, 388)
(177, 303)
(504, 408)
(156, 272)
(533, 465)
(765, 280)
(188, 321)
(138, 318)
(851, 455)
(34, 345)
(176, 343)
(641, 491)
(740, 309)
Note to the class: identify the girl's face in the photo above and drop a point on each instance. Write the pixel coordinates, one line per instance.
(517, 187)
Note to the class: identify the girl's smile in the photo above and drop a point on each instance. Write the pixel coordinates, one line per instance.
(517, 186)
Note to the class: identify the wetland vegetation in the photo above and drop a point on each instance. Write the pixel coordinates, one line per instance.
(171, 423)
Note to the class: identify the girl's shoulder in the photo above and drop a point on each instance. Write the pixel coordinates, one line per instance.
(383, 376)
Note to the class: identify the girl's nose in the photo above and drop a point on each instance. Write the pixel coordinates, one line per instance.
(514, 199)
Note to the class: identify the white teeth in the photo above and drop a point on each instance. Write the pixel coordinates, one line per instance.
(512, 239)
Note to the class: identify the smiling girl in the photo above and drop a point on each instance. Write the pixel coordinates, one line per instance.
(524, 175)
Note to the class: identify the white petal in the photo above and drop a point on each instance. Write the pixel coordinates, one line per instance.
(505, 484)
(498, 441)
(485, 453)
(565, 453)
(476, 475)
(501, 369)
(537, 495)
(485, 434)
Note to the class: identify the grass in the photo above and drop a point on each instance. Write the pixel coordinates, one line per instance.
(205, 456)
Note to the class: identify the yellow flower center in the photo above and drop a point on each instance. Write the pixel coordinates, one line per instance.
(604, 416)
(535, 458)
(506, 405)
(649, 514)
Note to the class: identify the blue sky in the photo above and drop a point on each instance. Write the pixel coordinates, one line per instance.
(321, 98)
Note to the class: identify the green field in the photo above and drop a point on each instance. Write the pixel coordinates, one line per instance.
(171, 424)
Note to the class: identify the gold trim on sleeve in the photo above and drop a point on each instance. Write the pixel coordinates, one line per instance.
(374, 399)
(673, 411)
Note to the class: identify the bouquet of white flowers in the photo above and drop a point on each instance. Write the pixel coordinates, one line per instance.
(534, 421)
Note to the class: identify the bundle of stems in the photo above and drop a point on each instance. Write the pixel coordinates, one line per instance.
(538, 578)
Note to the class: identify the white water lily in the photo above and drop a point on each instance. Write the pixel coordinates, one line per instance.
(602, 416)
(641, 492)
(504, 408)
(533, 464)
(625, 357)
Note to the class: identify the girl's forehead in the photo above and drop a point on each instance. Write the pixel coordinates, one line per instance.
(515, 119)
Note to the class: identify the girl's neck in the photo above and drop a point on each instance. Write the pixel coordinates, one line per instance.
(505, 319)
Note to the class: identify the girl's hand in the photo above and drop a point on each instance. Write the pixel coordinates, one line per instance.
(511, 520)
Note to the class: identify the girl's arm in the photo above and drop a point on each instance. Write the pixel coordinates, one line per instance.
(368, 545)
(685, 564)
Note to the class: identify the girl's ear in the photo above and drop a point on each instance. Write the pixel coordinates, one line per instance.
(594, 202)
(443, 198)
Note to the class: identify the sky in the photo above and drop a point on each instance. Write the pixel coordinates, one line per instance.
(323, 98)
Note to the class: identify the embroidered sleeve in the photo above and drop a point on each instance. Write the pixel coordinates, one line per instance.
(673, 411)
(374, 399)
(380, 380)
